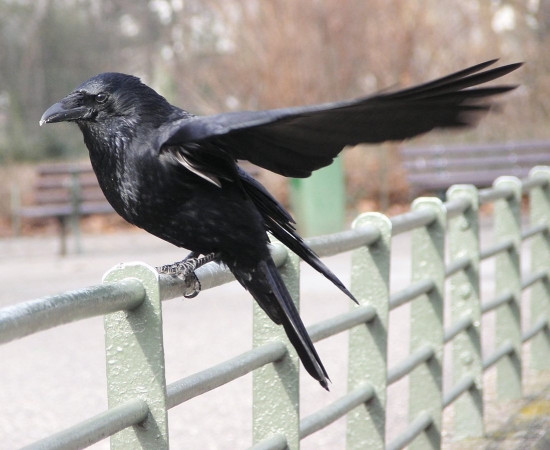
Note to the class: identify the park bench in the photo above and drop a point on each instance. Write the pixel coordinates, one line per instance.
(65, 192)
(435, 168)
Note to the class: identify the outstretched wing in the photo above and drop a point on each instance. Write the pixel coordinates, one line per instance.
(296, 141)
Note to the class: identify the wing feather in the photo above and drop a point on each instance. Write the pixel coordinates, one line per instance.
(296, 141)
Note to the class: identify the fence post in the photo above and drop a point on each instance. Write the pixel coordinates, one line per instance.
(370, 278)
(425, 382)
(135, 360)
(540, 261)
(508, 279)
(276, 387)
(463, 235)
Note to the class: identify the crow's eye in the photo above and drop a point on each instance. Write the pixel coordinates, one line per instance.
(101, 97)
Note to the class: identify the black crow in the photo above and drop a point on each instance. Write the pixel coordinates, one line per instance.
(175, 174)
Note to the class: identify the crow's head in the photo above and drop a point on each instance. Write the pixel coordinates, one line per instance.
(109, 96)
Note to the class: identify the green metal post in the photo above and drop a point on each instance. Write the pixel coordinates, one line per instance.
(463, 235)
(540, 261)
(508, 279)
(319, 202)
(276, 387)
(135, 360)
(425, 382)
(368, 343)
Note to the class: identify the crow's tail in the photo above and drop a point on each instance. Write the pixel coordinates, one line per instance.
(280, 223)
(267, 287)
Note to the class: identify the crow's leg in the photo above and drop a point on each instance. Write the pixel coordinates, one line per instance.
(187, 265)
(191, 255)
(185, 270)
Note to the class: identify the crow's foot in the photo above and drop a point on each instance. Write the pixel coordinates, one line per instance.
(185, 270)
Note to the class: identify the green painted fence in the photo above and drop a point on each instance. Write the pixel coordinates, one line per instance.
(445, 249)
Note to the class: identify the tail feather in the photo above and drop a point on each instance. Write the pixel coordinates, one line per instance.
(280, 223)
(296, 244)
(269, 290)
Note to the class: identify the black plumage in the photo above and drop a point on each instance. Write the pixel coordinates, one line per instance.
(175, 174)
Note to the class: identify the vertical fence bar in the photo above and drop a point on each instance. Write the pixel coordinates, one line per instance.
(370, 278)
(276, 387)
(540, 261)
(463, 235)
(135, 360)
(425, 382)
(508, 279)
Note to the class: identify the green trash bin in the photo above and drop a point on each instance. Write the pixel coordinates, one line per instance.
(319, 202)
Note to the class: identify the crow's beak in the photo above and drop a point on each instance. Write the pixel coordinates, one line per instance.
(58, 113)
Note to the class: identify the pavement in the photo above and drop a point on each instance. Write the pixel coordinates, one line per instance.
(529, 428)
(56, 378)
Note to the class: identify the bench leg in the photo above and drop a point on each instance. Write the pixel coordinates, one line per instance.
(76, 201)
(63, 235)
(75, 226)
(15, 207)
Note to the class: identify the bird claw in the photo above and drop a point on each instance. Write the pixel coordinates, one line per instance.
(195, 286)
(185, 270)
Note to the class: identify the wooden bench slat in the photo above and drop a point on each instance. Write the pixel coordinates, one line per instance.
(439, 167)
(56, 197)
(64, 210)
(63, 169)
(444, 180)
(65, 182)
(443, 162)
(520, 146)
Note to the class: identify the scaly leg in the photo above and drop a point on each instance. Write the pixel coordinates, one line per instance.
(185, 269)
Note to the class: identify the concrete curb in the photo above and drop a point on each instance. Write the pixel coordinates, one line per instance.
(529, 428)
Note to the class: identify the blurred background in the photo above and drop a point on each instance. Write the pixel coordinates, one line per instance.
(210, 56)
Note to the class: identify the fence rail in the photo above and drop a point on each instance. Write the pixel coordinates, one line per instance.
(132, 293)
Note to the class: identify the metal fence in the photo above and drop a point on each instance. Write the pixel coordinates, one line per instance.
(131, 297)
